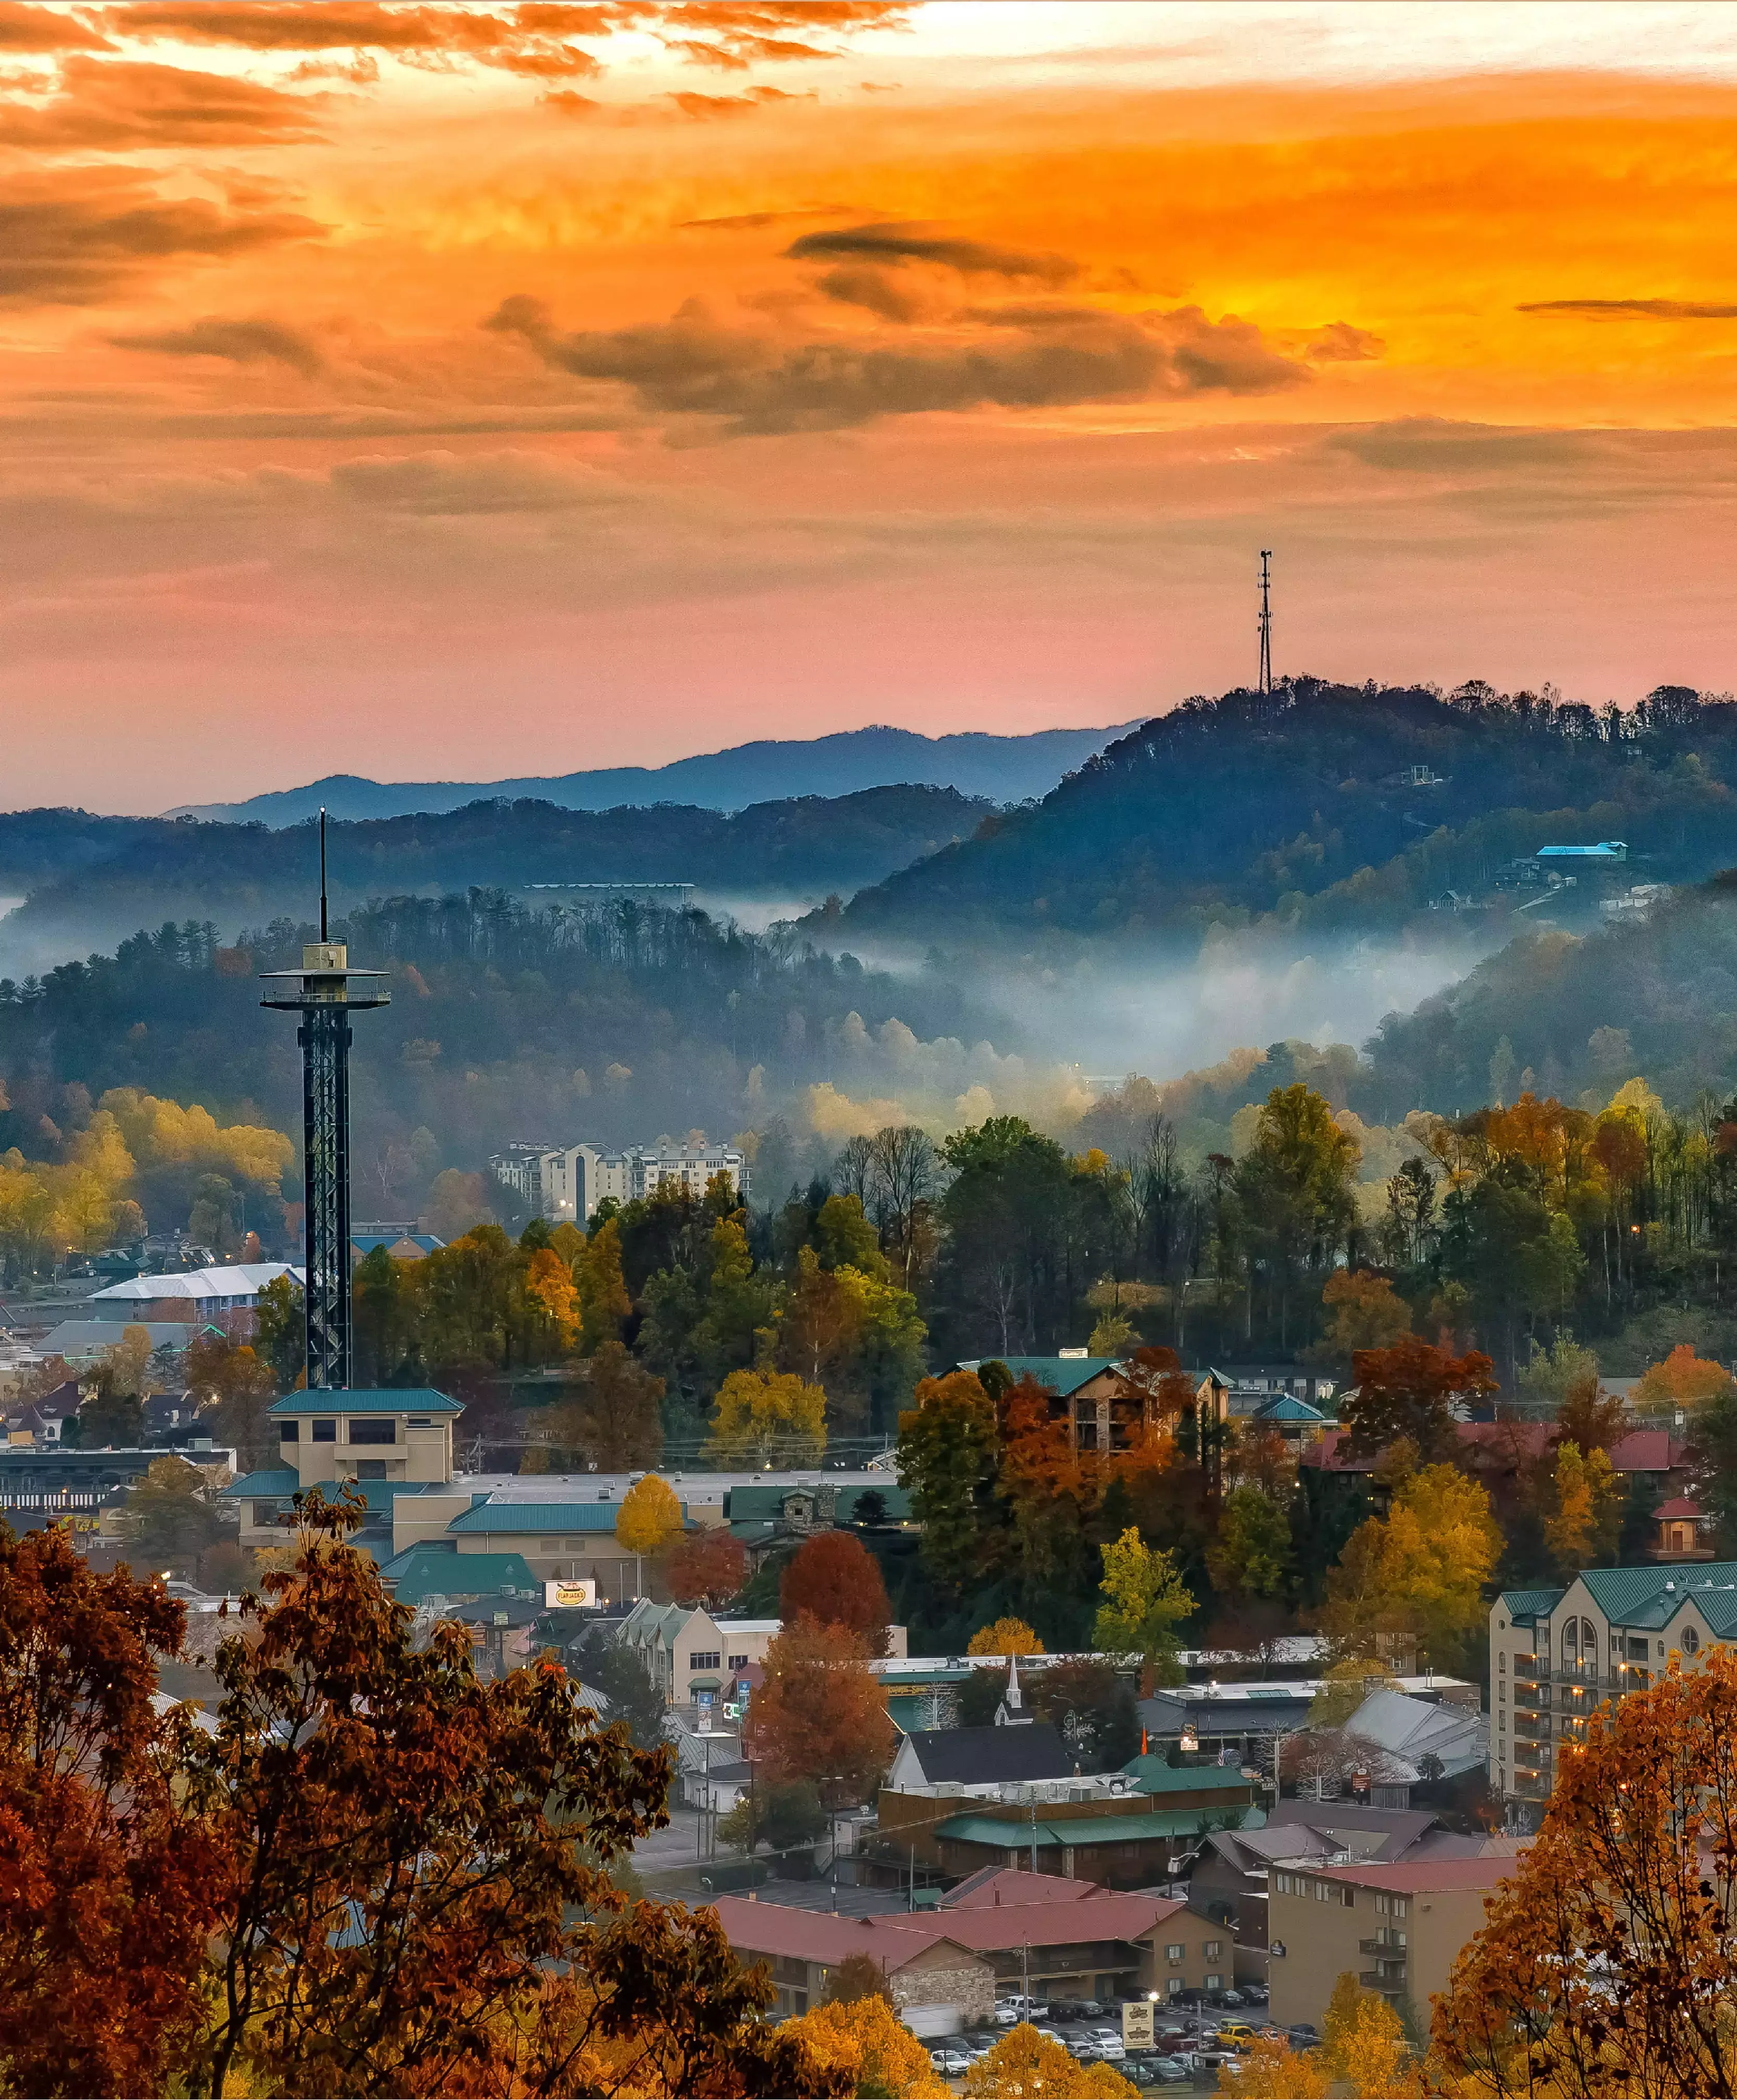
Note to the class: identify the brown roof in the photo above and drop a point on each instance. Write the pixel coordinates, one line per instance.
(1641, 1451)
(1014, 1884)
(809, 1935)
(1679, 1506)
(895, 1939)
(1419, 1877)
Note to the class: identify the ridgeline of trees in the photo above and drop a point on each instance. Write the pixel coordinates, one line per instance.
(121, 873)
(1298, 809)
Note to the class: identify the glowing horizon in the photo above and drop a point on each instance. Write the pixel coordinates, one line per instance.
(470, 392)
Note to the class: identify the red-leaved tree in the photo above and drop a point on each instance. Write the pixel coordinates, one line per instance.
(834, 1580)
(107, 1881)
(707, 1567)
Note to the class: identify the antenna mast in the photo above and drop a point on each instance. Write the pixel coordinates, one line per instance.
(1265, 683)
(322, 875)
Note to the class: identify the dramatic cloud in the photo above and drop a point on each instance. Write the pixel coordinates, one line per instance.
(72, 251)
(1656, 310)
(1026, 357)
(255, 341)
(1340, 343)
(731, 105)
(106, 104)
(26, 28)
(894, 244)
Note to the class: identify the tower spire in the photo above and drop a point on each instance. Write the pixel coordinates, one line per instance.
(1266, 620)
(324, 992)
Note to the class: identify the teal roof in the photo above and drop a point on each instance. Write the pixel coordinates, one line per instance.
(274, 1481)
(1080, 1830)
(370, 1399)
(1153, 1774)
(435, 1570)
(492, 1516)
(1522, 1605)
(1652, 1597)
(1061, 1376)
(1286, 1407)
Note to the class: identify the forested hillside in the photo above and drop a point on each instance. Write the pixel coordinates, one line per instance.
(1330, 808)
(112, 874)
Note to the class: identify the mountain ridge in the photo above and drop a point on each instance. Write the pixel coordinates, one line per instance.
(975, 762)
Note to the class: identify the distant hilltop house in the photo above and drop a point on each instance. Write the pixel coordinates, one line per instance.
(566, 1183)
(1553, 866)
(1105, 1405)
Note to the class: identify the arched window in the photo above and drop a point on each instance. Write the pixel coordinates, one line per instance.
(1691, 1640)
(1570, 1641)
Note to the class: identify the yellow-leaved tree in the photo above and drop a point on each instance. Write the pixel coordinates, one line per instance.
(867, 2041)
(1363, 2046)
(603, 1290)
(767, 1419)
(549, 1287)
(1004, 1636)
(650, 1517)
(1416, 1578)
(1272, 2070)
(1583, 1513)
(1682, 1380)
(1146, 1600)
(1024, 2065)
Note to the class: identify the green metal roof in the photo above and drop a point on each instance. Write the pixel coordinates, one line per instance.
(1084, 1830)
(274, 1481)
(537, 1517)
(1153, 1774)
(1286, 1407)
(1652, 1597)
(1061, 1376)
(433, 1570)
(388, 1400)
(1523, 1604)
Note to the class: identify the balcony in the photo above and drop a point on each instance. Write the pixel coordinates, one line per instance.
(1386, 1948)
(1377, 1980)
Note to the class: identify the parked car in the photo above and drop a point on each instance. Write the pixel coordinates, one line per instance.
(1230, 1998)
(1110, 2044)
(1237, 2033)
(1257, 1994)
(1302, 2035)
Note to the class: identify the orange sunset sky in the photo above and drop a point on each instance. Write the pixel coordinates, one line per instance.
(477, 390)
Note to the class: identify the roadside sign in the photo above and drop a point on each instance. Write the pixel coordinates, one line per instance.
(1136, 2023)
(570, 1596)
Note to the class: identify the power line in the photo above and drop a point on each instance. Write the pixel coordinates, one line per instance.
(1266, 619)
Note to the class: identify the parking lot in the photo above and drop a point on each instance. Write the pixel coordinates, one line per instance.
(1194, 2043)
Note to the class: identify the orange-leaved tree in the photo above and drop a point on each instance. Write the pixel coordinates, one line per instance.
(865, 2040)
(707, 1567)
(834, 1579)
(416, 1898)
(1683, 1380)
(1607, 1963)
(1408, 1391)
(820, 1715)
(1026, 2065)
(1004, 1636)
(108, 1881)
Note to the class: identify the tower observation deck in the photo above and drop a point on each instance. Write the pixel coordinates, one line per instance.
(325, 991)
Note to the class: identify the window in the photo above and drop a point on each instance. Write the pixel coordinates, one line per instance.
(325, 1432)
(1175, 1952)
(1322, 1891)
(1502, 1694)
(421, 1422)
(1173, 1985)
(1386, 1906)
(704, 1659)
(738, 1662)
(1502, 1664)
(1213, 1950)
(1691, 1640)
(1214, 1982)
(1502, 1722)
(1284, 1884)
(1347, 1895)
(1637, 1649)
(290, 1431)
(373, 1430)
(371, 1469)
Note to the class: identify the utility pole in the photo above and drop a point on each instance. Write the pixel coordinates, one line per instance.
(1033, 1831)
(1266, 619)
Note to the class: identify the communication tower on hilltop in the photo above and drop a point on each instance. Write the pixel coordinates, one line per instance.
(325, 991)
(1266, 619)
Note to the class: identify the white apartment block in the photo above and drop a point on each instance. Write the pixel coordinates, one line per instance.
(568, 1182)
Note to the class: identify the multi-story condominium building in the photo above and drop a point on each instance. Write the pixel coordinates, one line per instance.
(568, 1182)
(1557, 1655)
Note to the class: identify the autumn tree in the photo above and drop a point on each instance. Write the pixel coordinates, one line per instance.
(603, 1300)
(233, 1388)
(1368, 1313)
(787, 1814)
(650, 1517)
(1272, 2070)
(551, 1297)
(1590, 1418)
(1417, 1575)
(1092, 1705)
(1584, 1514)
(1144, 1600)
(857, 1977)
(864, 2040)
(610, 1411)
(834, 1579)
(1683, 1380)
(109, 1881)
(1607, 1962)
(1409, 1391)
(1343, 1688)
(767, 1419)
(1026, 2065)
(1363, 2045)
(819, 1715)
(1004, 1636)
(172, 1514)
(1294, 1188)
(417, 1894)
(707, 1567)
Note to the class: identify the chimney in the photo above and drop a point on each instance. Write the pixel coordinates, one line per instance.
(998, 1896)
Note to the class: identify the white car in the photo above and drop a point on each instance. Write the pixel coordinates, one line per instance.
(1108, 2044)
